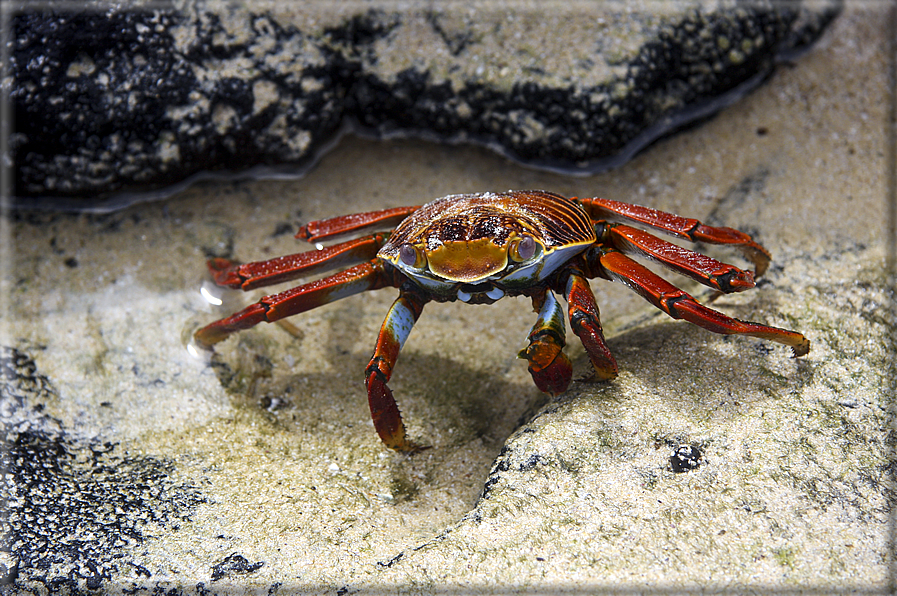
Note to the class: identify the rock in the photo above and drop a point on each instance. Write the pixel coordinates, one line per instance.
(138, 99)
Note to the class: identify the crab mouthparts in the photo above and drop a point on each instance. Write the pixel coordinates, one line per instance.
(467, 261)
(493, 292)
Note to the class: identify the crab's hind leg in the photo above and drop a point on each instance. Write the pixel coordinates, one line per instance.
(706, 270)
(584, 319)
(678, 304)
(384, 411)
(689, 229)
(248, 276)
(362, 277)
(549, 366)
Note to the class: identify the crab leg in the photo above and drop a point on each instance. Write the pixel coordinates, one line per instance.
(690, 229)
(357, 222)
(247, 276)
(583, 312)
(680, 305)
(363, 277)
(549, 366)
(384, 411)
(701, 268)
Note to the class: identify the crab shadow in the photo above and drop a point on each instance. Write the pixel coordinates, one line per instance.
(464, 414)
(447, 404)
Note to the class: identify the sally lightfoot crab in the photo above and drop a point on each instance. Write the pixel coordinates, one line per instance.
(479, 248)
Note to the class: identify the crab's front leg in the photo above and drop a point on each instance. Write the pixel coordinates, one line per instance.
(549, 366)
(384, 410)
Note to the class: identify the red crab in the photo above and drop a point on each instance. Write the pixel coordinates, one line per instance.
(479, 248)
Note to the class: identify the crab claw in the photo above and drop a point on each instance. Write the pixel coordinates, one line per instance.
(384, 410)
(549, 366)
(554, 377)
(385, 413)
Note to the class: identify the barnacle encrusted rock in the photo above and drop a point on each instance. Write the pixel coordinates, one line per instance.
(132, 99)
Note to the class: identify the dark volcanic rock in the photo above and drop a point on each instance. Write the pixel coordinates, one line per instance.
(73, 509)
(137, 99)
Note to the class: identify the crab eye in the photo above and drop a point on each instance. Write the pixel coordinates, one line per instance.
(412, 256)
(522, 249)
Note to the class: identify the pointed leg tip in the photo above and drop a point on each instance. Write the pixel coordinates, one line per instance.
(205, 338)
(219, 264)
(225, 272)
(604, 376)
(741, 284)
(409, 447)
(801, 349)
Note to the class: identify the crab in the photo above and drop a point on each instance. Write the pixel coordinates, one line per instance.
(480, 248)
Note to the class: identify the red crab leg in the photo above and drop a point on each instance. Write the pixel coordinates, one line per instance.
(385, 413)
(363, 277)
(680, 305)
(583, 312)
(690, 229)
(549, 366)
(265, 273)
(701, 268)
(357, 222)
